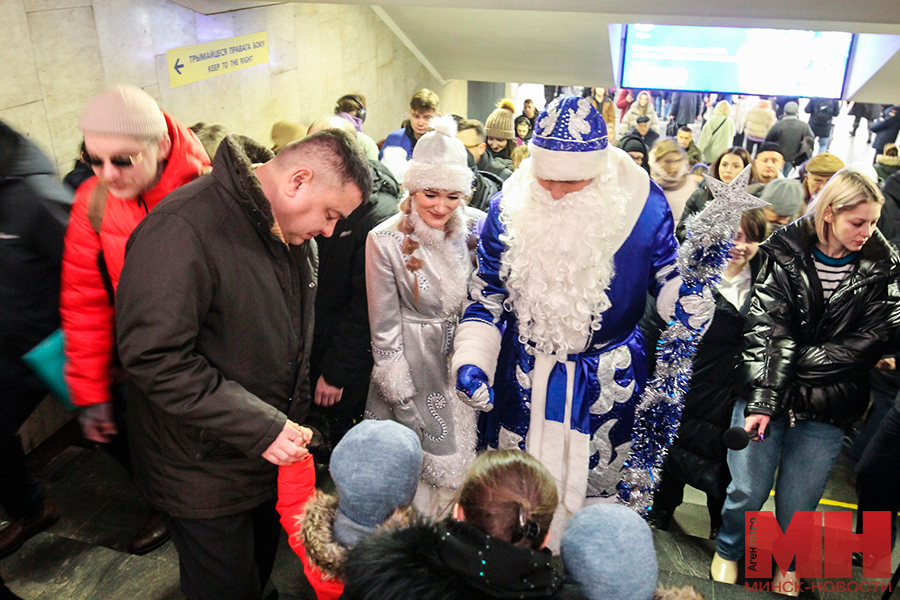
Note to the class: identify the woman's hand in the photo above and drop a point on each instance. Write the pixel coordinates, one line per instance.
(756, 426)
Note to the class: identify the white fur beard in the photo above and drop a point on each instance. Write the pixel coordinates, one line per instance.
(559, 260)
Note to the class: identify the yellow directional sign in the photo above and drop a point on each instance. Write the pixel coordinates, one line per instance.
(202, 61)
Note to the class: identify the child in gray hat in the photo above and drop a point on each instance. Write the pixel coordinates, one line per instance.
(376, 469)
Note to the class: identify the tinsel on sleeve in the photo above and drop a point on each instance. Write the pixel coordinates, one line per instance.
(702, 259)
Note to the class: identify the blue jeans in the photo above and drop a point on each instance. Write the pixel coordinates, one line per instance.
(804, 456)
(823, 144)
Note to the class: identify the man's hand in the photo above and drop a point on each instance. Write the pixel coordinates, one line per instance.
(289, 446)
(97, 422)
(327, 394)
(756, 426)
(887, 364)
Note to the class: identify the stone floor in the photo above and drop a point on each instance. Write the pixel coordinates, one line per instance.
(83, 556)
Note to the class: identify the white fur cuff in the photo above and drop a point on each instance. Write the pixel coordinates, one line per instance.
(668, 296)
(394, 381)
(478, 344)
(566, 166)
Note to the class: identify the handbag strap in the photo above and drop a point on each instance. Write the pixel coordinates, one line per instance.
(95, 212)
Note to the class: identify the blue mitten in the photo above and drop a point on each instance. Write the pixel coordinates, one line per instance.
(472, 388)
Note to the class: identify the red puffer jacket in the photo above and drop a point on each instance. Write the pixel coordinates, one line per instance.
(88, 320)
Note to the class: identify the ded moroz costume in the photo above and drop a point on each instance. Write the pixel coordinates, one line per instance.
(549, 344)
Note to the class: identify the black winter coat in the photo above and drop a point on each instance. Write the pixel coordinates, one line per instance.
(214, 315)
(342, 343)
(886, 129)
(809, 357)
(34, 211)
(686, 106)
(448, 560)
(821, 111)
(866, 110)
(889, 223)
(697, 457)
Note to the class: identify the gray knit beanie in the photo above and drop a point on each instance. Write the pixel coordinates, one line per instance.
(785, 196)
(791, 108)
(123, 110)
(376, 468)
(608, 549)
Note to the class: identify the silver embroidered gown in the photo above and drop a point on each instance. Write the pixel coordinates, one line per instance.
(412, 336)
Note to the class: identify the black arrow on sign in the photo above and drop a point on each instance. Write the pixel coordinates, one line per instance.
(178, 66)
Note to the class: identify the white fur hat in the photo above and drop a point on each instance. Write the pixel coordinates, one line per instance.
(439, 161)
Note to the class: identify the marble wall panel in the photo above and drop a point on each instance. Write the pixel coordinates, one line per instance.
(18, 71)
(250, 21)
(34, 5)
(214, 27)
(67, 55)
(171, 25)
(126, 44)
(255, 113)
(31, 121)
(286, 104)
(282, 38)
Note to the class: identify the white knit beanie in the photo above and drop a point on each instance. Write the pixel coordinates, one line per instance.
(123, 110)
(439, 161)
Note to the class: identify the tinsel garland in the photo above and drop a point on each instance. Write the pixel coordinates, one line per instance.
(702, 259)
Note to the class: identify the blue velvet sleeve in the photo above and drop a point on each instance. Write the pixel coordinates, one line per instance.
(665, 246)
(486, 290)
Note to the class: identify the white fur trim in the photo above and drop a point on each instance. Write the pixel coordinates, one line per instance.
(478, 344)
(451, 178)
(566, 166)
(394, 158)
(633, 181)
(668, 296)
(394, 381)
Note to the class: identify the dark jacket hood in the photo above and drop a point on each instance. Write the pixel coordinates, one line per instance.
(383, 181)
(448, 560)
(19, 157)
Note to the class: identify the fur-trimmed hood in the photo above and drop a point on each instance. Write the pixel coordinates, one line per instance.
(233, 166)
(317, 533)
(447, 560)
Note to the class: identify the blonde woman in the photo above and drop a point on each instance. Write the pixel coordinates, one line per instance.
(417, 264)
(821, 312)
(642, 107)
(669, 168)
(718, 133)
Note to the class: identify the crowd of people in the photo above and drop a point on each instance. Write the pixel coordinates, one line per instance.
(455, 325)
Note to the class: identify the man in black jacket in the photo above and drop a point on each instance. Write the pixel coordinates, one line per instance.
(214, 317)
(341, 360)
(34, 210)
(822, 112)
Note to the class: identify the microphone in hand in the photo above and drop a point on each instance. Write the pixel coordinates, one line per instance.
(736, 438)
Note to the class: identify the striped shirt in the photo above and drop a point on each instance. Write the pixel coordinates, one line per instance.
(832, 271)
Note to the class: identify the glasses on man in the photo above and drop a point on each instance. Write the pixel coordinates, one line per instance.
(121, 161)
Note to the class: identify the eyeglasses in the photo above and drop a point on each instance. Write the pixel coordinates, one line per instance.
(122, 161)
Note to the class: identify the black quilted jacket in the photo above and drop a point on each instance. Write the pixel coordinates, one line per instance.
(809, 357)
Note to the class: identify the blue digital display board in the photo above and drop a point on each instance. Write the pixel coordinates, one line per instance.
(765, 62)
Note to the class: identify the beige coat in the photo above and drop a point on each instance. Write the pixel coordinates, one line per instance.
(759, 121)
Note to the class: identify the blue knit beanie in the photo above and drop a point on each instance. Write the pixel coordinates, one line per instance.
(608, 549)
(376, 468)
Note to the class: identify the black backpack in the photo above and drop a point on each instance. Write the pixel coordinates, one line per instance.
(822, 114)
